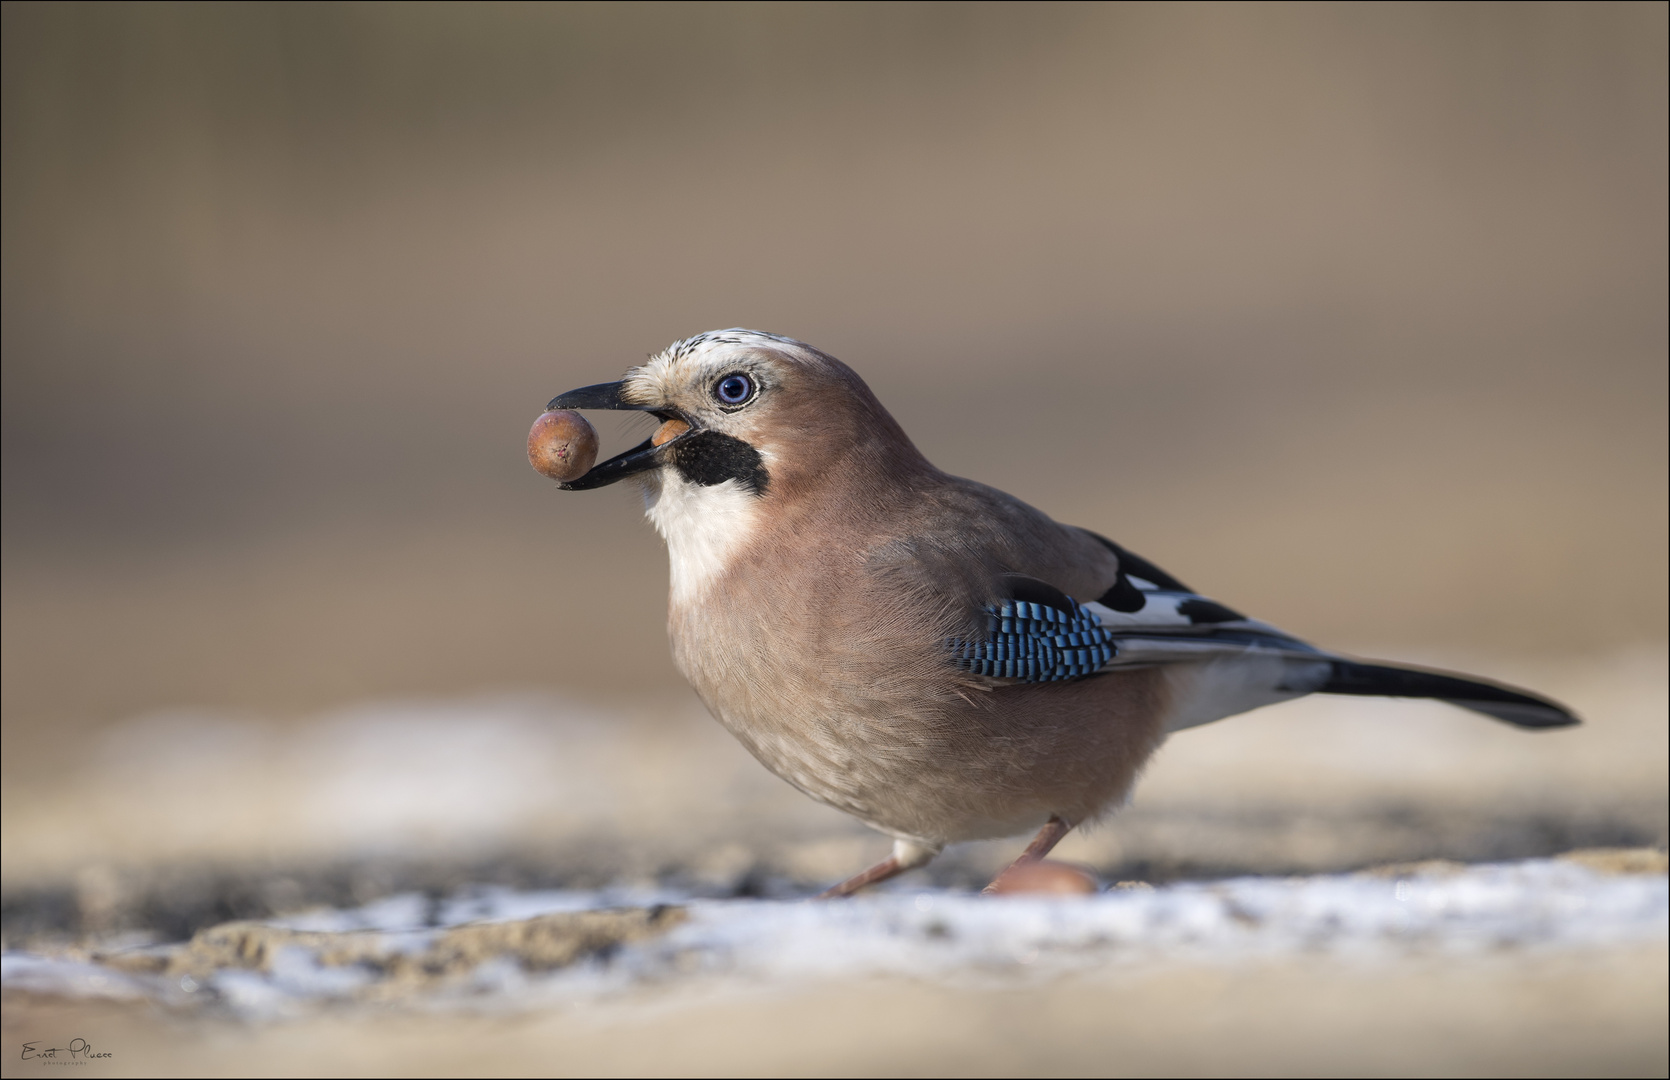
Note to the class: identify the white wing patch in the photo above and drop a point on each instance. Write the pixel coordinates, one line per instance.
(1217, 668)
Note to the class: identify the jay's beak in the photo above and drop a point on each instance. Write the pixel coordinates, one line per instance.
(603, 395)
(641, 458)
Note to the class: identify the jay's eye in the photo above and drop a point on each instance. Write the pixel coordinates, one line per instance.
(734, 389)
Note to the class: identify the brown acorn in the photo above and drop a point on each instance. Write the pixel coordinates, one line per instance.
(562, 445)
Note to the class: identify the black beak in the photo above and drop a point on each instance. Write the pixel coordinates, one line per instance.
(641, 458)
(604, 395)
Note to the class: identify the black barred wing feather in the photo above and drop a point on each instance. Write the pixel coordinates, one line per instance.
(1036, 642)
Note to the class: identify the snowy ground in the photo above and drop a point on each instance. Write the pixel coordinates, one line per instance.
(503, 949)
(522, 885)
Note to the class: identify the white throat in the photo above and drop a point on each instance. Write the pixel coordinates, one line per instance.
(704, 526)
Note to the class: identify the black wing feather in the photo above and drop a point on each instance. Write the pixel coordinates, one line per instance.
(1134, 565)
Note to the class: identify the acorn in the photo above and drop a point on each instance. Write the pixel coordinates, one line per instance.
(562, 445)
(667, 432)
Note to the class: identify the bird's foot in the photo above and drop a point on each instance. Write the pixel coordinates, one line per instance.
(1046, 877)
(1026, 866)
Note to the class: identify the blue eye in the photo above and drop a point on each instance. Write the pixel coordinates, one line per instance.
(734, 389)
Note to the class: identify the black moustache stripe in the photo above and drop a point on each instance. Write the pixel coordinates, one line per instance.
(709, 458)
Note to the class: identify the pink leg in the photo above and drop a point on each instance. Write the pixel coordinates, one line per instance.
(1050, 835)
(881, 871)
(906, 856)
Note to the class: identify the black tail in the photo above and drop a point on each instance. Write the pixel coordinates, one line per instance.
(1514, 706)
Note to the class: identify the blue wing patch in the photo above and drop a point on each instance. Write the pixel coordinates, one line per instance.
(1036, 643)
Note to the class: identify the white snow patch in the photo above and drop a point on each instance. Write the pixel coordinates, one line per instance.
(1360, 918)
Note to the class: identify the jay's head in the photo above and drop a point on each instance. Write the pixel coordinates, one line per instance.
(771, 414)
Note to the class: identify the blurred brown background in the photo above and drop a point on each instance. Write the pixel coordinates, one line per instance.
(1352, 316)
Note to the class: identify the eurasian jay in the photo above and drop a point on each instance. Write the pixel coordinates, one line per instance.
(932, 656)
